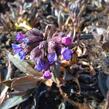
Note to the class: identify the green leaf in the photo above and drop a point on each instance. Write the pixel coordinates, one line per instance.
(23, 66)
(13, 101)
(25, 83)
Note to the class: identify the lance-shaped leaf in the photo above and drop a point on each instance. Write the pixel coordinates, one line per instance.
(23, 66)
(13, 101)
(25, 83)
(5, 89)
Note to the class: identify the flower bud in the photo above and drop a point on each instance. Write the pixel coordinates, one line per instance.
(47, 74)
(67, 41)
(35, 53)
(33, 36)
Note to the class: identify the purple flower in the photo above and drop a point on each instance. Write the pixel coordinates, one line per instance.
(16, 48)
(26, 40)
(67, 41)
(66, 53)
(47, 74)
(57, 39)
(52, 57)
(22, 55)
(19, 51)
(35, 53)
(20, 36)
(42, 64)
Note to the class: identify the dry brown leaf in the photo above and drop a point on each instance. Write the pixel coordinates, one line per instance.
(84, 63)
(105, 46)
(79, 51)
(7, 82)
(92, 70)
(83, 106)
(74, 60)
(49, 82)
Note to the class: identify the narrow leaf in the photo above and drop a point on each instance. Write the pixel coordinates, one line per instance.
(23, 66)
(11, 102)
(24, 83)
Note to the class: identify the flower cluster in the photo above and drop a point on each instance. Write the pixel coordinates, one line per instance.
(44, 52)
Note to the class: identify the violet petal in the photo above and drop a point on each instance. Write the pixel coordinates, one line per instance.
(66, 53)
(16, 48)
(20, 36)
(52, 57)
(42, 64)
(22, 55)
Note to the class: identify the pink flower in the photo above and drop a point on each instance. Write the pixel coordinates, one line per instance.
(47, 74)
(67, 41)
